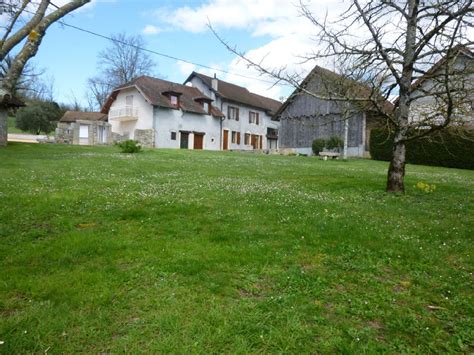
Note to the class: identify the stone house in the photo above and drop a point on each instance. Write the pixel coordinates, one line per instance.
(310, 113)
(84, 128)
(249, 122)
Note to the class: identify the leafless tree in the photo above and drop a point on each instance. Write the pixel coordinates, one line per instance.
(27, 22)
(120, 63)
(391, 46)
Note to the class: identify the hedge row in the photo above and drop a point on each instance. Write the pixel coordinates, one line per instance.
(444, 148)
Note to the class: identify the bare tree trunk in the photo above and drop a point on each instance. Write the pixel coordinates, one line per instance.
(396, 170)
(3, 127)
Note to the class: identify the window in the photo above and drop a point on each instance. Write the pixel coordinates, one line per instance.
(233, 113)
(174, 100)
(129, 100)
(235, 137)
(173, 136)
(253, 117)
(247, 139)
(205, 105)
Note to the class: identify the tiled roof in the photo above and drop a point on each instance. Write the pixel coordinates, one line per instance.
(240, 94)
(73, 116)
(154, 91)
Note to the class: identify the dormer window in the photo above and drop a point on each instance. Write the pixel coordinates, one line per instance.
(174, 100)
(173, 96)
(205, 102)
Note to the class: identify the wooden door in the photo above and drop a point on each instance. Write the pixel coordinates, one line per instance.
(184, 140)
(225, 142)
(255, 141)
(198, 140)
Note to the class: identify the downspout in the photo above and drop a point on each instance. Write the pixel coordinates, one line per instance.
(220, 122)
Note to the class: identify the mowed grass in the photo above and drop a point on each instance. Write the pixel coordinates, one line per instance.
(12, 128)
(211, 252)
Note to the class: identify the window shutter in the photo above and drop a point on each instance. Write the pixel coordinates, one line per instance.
(228, 113)
(237, 114)
(238, 137)
(258, 118)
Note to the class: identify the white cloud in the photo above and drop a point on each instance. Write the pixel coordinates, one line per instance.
(280, 19)
(151, 30)
(185, 68)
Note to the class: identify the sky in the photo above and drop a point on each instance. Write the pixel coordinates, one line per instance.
(268, 30)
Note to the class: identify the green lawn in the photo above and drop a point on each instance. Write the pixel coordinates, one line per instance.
(12, 128)
(211, 252)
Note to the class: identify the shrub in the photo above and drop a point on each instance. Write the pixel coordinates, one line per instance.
(38, 117)
(449, 148)
(129, 146)
(318, 146)
(334, 143)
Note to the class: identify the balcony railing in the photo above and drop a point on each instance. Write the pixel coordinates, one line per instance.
(126, 113)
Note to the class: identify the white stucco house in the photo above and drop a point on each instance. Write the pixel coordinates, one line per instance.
(163, 114)
(249, 118)
(204, 113)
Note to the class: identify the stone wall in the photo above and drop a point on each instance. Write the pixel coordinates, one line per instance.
(146, 137)
(64, 133)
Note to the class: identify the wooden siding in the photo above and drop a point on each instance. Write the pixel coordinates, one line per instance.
(307, 118)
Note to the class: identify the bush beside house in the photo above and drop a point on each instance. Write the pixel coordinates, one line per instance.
(448, 148)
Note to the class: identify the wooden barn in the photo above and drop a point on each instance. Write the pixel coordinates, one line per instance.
(313, 112)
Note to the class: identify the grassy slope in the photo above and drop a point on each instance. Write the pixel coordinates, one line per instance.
(223, 252)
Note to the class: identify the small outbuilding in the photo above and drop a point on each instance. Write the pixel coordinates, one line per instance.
(84, 128)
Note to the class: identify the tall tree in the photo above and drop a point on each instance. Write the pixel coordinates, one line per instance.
(391, 46)
(32, 84)
(121, 62)
(27, 22)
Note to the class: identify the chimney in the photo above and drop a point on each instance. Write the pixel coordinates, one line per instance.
(214, 83)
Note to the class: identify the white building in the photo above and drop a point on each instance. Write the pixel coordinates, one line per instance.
(162, 114)
(248, 122)
(429, 96)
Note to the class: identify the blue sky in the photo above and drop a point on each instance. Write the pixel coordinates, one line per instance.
(269, 29)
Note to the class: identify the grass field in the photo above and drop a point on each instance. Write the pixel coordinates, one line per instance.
(211, 252)
(11, 126)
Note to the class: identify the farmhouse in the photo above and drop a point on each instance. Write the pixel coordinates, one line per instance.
(163, 114)
(249, 118)
(84, 128)
(310, 113)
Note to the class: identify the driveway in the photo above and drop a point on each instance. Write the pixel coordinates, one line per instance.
(25, 138)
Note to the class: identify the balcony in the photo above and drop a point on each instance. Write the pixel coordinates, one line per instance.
(122, 114)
